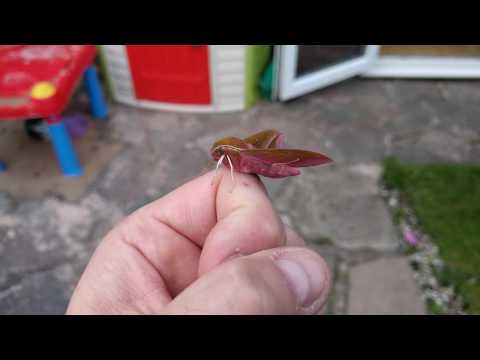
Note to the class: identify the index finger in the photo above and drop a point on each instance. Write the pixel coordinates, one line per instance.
(225, 219)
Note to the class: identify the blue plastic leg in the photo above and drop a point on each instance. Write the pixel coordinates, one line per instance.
(3, 167)
(63, 147)
(98, 105)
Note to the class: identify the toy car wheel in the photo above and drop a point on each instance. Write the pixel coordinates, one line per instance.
(36, 129)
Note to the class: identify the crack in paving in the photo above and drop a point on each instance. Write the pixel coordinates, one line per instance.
(14, 278)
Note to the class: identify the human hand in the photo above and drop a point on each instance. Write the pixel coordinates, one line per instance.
(204, 249)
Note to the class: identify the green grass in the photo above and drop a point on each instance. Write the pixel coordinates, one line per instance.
(434, 309)
(398, 215)
(446, 201)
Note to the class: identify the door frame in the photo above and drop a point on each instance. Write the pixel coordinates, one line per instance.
(290, 86)
(426, 67)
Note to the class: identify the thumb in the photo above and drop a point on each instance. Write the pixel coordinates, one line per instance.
(275, 281)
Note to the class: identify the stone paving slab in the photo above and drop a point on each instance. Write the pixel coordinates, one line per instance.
(384, 287)
(45, 291)
(5, 203)
(340, 204)
(331, 259)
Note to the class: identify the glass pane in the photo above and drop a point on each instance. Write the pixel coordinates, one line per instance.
(431, 50)
(312, 58)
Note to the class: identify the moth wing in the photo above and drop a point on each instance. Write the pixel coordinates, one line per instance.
(264, 139)
(278, 142)
(291, 157)
(252, 164)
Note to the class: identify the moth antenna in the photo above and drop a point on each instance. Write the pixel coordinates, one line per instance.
(219, 162)
(231, 170)
(216, 169)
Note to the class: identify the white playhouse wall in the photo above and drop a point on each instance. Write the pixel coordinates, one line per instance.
(227, 79)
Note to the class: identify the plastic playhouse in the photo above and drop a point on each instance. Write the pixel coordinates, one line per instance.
(196, 78)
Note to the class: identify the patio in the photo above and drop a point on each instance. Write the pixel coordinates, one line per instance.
(49, 228)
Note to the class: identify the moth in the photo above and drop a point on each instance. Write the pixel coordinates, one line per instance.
(264, 154)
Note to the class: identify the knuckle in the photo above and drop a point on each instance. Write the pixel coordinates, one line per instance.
(270, 230)
(239, 273)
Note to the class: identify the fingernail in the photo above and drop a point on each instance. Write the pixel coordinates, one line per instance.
(305, 276)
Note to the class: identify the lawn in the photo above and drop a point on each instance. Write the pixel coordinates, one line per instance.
(446, 201)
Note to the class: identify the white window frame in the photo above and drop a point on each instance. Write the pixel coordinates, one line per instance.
(290, 86)
(426, 67)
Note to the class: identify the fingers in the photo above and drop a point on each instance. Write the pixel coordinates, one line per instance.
(225, 219)
(246, 222)
(174, 257)
(160, 250)
(293, 239)
(118, 280)
(274, 281)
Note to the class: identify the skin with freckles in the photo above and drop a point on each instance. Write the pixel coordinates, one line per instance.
(204, 249)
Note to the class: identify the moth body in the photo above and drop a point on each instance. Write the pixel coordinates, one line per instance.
(263, 154)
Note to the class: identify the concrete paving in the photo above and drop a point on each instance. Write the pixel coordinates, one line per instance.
(384, 287)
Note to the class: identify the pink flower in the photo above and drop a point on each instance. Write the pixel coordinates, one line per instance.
(409, 235)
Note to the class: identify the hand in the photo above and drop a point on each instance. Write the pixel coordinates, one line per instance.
(204, 249)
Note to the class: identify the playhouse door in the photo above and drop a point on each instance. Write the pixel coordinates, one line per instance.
(305, 68)
(176, 74)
